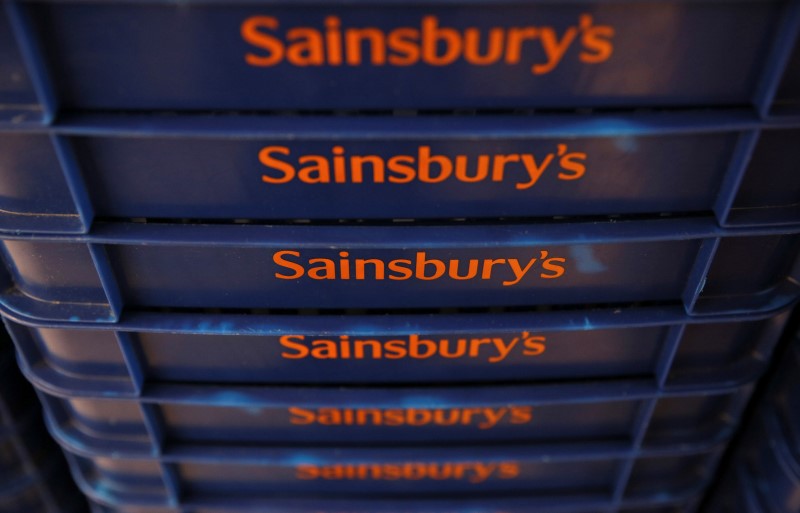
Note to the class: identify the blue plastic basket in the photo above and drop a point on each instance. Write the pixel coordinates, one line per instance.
(664, 345)
(127, 267)
(192, 419)
(60, 179)
(250, 475)
(256, 55)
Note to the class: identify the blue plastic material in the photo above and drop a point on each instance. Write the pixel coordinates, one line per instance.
(176, 419)
(263, 54)
(127, 267)
(230, 168)
(21, 73)
(665, 345)
(555, 473)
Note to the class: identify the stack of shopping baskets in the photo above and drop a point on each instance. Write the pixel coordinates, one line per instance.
(375, 256)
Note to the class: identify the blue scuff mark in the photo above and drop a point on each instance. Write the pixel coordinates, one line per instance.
(230, 397)
(585, 260)
(302, 459)
(227, 327)
(75, 318)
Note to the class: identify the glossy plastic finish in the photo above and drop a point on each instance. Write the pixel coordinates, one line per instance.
(216, 55)
(127, 267)
(422, 474)
(662, 344)
(259, 168)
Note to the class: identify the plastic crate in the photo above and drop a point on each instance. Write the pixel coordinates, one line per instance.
(252, 475)
(189, 418)
(88, 167)
(663, 345)
(389, 55)
(126, 267)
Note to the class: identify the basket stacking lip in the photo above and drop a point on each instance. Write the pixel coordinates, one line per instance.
(123, 267)
(102, 166)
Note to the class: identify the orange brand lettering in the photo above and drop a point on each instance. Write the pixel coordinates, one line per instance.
(473, 472)
(430, 42)
(495, 349)
(426, 166)
(252, 32)
(421, 267)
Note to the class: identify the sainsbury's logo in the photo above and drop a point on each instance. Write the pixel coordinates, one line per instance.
(541, 48)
